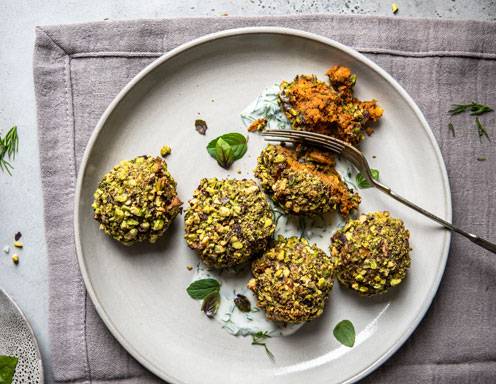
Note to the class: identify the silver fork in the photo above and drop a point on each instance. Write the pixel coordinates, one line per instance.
(360, 162)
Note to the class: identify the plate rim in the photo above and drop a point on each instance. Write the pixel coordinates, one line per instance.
(156, 370)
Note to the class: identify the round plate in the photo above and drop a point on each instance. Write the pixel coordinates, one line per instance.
(17, 339)
(139, 291)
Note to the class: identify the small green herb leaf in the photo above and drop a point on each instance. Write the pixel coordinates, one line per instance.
(236, 143)
(224, 153)
(211, 304)
(259, 338)
(242, 303)
(474, 108)
(8, 365)
(362, 182)
(482, 130)
(344, 332)
(200, 289)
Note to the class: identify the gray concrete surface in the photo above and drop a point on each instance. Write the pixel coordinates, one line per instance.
(21, 207)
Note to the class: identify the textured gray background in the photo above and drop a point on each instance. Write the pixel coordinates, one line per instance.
(20, 196)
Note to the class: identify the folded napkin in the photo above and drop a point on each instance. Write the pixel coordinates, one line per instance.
(78, 69)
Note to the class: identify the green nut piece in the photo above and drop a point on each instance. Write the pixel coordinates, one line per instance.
(136, 200)
(371, 253)
(292, 280)
(228, 221)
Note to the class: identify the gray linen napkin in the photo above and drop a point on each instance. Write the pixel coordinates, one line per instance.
(78, 69)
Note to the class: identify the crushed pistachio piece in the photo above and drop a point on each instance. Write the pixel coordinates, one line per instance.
(371, 253)
(18, 244)
(165, 151)
(189, 267)
(394, 8)
(15, 259)
(292, 280)
(6, 249)
(228, 221)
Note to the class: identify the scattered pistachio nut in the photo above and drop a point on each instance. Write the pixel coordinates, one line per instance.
(15, 258)
(165, 151)
(6, 249)
(394, 8)
(189, 267)
(371, 253)
(292, 280)
(136, 200)
(227, 221)
(18, 244)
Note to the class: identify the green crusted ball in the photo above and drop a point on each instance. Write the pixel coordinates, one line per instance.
(292, 280)
(372, 253)
(136, 200)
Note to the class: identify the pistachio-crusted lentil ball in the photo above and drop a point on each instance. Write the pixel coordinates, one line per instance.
(292, 280)
(228, 221)
(304, 182)
(136, 200)
(372, 253)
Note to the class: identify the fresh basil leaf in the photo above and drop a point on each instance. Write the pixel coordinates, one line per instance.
(8, 365)
(211, 304)
(200, 289)
(237, 144)
(362, 182)
(224, 153)
(344, 332)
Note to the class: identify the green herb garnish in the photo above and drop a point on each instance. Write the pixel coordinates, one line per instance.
(344, 332)
(228, 148)
(211, 304)
(259, 338)
(9, 146)
(200, 289)
(207, 290)
(481, 129)
(451, 129)
(474, 108)
(362, 182)
(8, 365)
(242, 303)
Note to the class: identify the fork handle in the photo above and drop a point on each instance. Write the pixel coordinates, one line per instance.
(473, 238)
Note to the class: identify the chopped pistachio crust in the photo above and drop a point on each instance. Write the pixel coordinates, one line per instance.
(304, 182)
(136, 200)
(228, 221)
(292, 280)
(372, 253)
(331, 109)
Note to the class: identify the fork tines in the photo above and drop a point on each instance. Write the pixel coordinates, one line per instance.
(327, 142)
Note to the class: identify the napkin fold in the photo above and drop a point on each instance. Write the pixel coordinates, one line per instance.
(79, 69)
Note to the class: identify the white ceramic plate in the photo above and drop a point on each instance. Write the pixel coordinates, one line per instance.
(17, 339)
(139, 292)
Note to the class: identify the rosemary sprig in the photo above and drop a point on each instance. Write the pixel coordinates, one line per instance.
(482, 130)
(9, 145)
(474, 108)
(259, 339)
